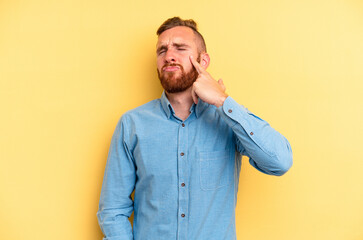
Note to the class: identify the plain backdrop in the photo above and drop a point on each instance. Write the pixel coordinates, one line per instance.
(69, 70)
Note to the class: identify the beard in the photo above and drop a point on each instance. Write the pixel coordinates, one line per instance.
(172, 83)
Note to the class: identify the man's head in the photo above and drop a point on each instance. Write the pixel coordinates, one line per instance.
(179, 39)
(178, 22)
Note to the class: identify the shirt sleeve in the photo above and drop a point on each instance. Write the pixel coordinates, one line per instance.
(268, 151)
(116, 205)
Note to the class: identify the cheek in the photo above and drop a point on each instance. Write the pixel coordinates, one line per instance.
(187, 65)
(159, 63)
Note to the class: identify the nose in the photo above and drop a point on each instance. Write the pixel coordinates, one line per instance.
(170, 56)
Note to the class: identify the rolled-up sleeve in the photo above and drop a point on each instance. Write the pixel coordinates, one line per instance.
(268, 150)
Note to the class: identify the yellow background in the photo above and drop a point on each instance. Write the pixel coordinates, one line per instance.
(69, 70)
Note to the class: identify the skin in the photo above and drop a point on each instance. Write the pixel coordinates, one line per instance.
(179, 45)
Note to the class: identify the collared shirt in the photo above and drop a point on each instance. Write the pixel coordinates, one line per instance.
(184, 173)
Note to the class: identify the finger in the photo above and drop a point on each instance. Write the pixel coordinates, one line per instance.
(196, 65)
(220, 81)
(194, 96)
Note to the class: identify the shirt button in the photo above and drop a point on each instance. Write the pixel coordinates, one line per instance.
(230, 110)
(183, 184)
(181, 154)
(251, 133)
(183, 125)
(182, 215)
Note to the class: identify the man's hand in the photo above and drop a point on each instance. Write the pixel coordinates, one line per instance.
(206, 88)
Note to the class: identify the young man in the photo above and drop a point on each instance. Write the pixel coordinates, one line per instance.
(181, 154)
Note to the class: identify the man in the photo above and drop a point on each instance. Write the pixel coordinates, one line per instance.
(181, 154)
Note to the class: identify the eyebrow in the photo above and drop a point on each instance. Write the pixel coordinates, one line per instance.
(177, 45)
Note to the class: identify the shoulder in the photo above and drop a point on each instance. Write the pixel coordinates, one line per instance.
(143, 112)
(144, 109)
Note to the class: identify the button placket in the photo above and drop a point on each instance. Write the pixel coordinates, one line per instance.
(182, 177)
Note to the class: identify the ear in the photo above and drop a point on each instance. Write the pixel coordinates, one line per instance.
(204, 60)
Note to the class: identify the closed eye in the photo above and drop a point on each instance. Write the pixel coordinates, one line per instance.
(181, 46)
(161, 50)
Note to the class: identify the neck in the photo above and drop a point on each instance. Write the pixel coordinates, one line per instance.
(181, 103)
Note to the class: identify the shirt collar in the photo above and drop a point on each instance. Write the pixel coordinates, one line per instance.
(168, 109)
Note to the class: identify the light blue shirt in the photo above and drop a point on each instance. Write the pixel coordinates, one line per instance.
(184, 173)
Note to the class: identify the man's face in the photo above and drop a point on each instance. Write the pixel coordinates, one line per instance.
(175, 71)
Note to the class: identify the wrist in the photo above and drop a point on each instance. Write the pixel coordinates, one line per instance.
(220, 100)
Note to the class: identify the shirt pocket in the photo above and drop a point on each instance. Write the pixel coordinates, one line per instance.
(216, 169)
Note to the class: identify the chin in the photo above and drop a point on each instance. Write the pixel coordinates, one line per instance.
(172, 76)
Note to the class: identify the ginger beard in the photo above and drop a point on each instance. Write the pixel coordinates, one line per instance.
(172, 83)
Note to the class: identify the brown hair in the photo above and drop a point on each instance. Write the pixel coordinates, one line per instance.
(190, 23)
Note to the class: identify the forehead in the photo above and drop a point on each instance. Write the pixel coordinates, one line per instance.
(178, 34)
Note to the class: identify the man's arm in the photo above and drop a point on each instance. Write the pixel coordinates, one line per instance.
(268, 150)
(116, 205)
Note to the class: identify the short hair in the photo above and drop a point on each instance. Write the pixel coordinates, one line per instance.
(177, 22)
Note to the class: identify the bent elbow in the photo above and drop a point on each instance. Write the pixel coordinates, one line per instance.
(283, 169)
(275, 164)
(283, 164)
